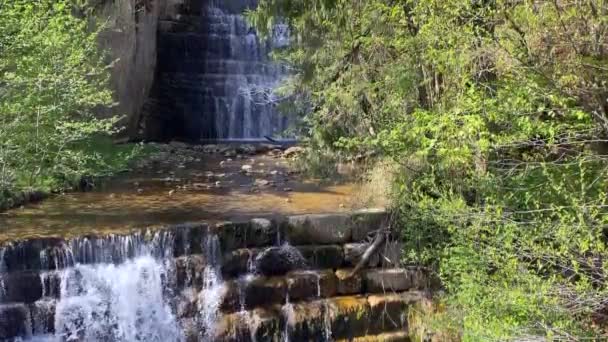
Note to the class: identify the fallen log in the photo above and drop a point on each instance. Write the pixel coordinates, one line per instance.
(379, 239)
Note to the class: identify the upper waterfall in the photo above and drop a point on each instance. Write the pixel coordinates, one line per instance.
(215, 79)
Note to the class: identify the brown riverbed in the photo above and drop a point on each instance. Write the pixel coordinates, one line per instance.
(182, 185)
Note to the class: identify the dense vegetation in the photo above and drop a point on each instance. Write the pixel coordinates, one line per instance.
(497, 114)
(53, 88)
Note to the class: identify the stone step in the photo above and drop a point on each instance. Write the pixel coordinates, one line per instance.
(398, 336)
(338, 318)
(186, 239)
(251, 291)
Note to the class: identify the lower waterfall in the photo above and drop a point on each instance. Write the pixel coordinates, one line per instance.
(114, 303)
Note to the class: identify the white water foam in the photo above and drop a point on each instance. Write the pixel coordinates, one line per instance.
(121, 303)
(213, 289)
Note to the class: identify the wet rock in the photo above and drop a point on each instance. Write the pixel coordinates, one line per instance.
(308, 322)
(43, 316)
(51, 283)
(263, 291)
(189, 270)
(187, 304)
(328, 256)
(237, 262)
(279, 260)
(350, 316)
(192, 332)
(263, 232)
(269, 324)
(13, 321)
(347, 284)
(303, 285)
(233, 235)
(319, 229)
(395, 279)
(21, 287)
(189, 238)
(353, 253)
(389, 312)
(311, 284)
(328, 283)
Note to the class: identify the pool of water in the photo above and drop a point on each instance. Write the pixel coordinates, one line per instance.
(209, 187)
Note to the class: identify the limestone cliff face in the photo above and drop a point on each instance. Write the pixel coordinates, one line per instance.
(132, 43)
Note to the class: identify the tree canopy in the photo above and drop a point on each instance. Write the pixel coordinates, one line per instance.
(496, 112)
(53, 86)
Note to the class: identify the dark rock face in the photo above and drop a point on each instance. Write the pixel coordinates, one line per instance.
(279, 260)
(213, 77)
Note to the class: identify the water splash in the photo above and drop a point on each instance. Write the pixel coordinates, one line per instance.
(116, 303)
(3, 269)
(289, 313)
(326, 321)
(213, 289)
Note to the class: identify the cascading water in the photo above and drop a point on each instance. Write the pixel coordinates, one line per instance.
(215, 78)
(115, 303)
(109, 289)
(213, 290)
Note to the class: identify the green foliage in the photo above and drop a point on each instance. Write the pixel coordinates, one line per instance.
(54, 83)
(497, 112)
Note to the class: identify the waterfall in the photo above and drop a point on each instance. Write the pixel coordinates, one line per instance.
(216, 79)
(108, 302)
(213, 290)
(244, 93)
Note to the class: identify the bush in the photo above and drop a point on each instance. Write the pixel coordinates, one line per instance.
(496, 113)
(54, 79)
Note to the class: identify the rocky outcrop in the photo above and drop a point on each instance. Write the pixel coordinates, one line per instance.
(262, 280)
(130, 39)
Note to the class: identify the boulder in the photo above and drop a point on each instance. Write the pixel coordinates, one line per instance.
(279, 260)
